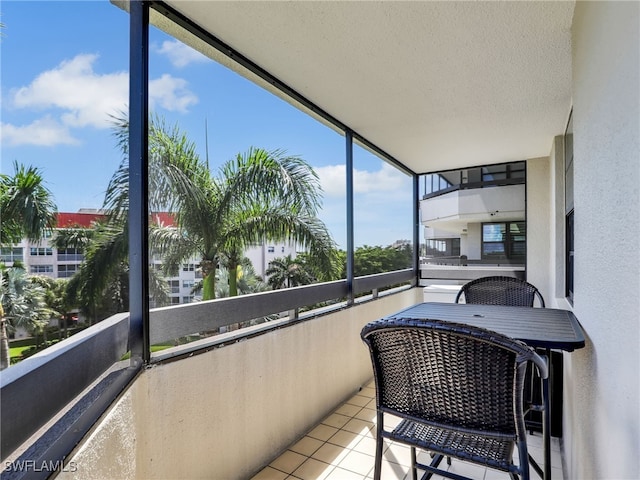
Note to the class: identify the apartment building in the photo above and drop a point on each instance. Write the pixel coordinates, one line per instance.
(43, 258)
(474, 221)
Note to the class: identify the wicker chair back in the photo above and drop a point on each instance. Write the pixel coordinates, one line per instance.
(500, 291)
(457, 388)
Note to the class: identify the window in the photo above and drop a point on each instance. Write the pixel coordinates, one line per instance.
(271, 249)
(504, 171)
(504, 241)
(9, 254)
(40, 251)
(568, 206)
(41, 269)
(434, 182)
(187, 283)
(67, 271)
(187, 299)
(175, 300)
(188, 267)
(444, 247)
(70, 255)
(174, 286)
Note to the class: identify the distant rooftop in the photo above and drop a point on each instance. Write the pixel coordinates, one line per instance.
(86, 217)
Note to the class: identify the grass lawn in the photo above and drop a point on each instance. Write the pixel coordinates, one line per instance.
(154, 348)
(17, 351)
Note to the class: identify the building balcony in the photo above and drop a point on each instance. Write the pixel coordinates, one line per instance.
(451, 212)
(224, 406)
(291, 398)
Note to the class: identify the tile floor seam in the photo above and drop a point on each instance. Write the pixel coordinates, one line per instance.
(365, 400)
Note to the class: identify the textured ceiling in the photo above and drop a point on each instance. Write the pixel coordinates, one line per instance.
(438, 85)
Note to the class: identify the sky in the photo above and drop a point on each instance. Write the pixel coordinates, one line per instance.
(64, 76)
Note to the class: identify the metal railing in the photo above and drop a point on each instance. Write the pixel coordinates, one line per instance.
(474, 185)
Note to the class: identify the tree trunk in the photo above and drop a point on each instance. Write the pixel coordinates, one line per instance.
(209, 268)
(4, 345)
(209, 286)
(233, 280)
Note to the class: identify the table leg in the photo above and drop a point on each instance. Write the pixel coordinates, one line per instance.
(546, 421)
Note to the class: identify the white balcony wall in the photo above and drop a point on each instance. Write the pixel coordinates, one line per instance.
(602, 414)
(435, 233)
(226, 413)
(453, 211)
(539, 225)
(473, 249)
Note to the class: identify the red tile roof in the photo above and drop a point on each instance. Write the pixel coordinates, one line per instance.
(86, 220)
(78, 220)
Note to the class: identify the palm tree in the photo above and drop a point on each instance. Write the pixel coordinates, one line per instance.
(247, 280)
(23, 305)
(285, 272)
(100, 287)
(257, 196)
(57, 300)
(27, 206)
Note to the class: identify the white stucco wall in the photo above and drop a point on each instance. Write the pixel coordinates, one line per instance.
(473, 248)
(539, 222)
(226, 413)
(602, 409)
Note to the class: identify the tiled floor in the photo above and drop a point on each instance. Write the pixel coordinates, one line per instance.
(342, 447)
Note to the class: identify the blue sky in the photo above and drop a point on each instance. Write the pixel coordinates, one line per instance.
(64, 68)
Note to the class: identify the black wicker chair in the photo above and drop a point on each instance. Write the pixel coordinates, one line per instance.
(511, 291)
(457, 389)
(500, 291)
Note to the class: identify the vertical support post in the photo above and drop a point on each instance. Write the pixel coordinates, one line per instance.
(416, 228)
(350, 242)
(138, 182)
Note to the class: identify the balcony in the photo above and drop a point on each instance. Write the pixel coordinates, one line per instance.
(225, 405)
(453, 211)
(288, 397)
(230, 407)
(292, 397)
(342, 446)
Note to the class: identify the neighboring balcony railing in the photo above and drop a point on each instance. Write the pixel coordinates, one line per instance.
(462, 270)
(472, 185)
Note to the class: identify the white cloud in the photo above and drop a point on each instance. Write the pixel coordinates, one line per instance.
(171, 93)
(44, 132)
(382, 204)
(86, 98)
(179, 54)
(387, 179)
(332, 180)
(80, 97)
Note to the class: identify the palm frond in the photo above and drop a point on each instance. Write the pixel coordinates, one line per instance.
(27, 205)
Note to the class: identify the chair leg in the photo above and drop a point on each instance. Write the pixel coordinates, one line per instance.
(379, 443)
(435, 462)
(414, 470)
